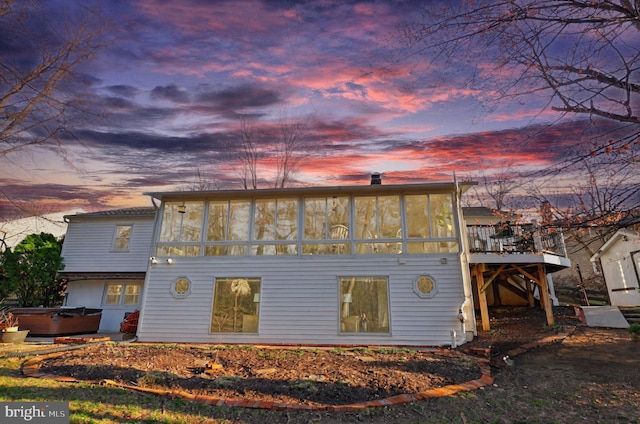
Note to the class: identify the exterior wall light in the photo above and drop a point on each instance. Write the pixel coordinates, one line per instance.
(169, 261)
(182, 208)
(153, 260)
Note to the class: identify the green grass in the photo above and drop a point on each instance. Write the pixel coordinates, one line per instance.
(101, 404)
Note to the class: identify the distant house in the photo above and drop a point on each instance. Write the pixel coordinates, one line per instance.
(344, 265)
(106, 255)
(619, 260)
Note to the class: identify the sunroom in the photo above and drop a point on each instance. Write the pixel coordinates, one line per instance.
(379, 264)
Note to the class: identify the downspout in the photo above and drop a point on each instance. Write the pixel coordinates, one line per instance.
(466, 312)
(147, 274)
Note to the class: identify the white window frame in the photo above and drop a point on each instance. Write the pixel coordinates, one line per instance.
(121, 303)
(353, 323)
(252, 298)
(114, 246)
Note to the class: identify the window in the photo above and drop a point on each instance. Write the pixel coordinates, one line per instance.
(181, 223)
(326, 219)
(236, 304)
(378, 217)
(122, 294)
(181, 288)
(275, 221)
(228, 224)
(425, 286)
(122, 237)
(430, 217)
(343, 224)
(364, 305)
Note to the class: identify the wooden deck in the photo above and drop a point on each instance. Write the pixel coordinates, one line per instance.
(514, 259)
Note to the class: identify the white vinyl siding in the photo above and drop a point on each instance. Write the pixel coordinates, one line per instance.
(301, 242)
(90, 294)
(88, 245)
(300, 302)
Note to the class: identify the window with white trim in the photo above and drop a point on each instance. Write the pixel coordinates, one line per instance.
(118, 294)
(236, 303)
(364, 305)
(344, 224)
(122, 237)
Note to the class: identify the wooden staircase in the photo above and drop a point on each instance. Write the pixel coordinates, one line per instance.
(631, 313)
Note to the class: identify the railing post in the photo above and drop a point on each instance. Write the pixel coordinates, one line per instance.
(561, 244)
(537, 238)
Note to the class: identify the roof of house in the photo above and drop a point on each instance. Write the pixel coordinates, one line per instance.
(478, 211)
(117, 213)
(484, 212)
(619, 235)
(314, 190)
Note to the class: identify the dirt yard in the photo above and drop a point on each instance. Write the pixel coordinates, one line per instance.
(591, 376)
(293, 375)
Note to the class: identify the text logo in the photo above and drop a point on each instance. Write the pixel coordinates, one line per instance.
(34, 412)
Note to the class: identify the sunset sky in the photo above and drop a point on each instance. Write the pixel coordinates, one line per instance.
(170, 88)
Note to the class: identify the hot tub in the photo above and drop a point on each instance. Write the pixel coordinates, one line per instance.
(58, 321)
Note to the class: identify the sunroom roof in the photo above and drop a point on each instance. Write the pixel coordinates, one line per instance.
(434, 187)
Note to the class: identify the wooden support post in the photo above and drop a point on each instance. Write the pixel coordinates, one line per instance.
(532, 280)
(532, 301)
(482, 297)
(492, 277)
(545, 297)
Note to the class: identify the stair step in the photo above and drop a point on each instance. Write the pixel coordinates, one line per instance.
(594, 302)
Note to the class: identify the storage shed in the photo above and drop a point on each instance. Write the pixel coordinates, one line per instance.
(619, 260)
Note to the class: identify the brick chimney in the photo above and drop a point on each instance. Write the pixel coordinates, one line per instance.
(376, 178)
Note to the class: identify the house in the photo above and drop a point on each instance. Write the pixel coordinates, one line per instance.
(619, 260)
(106, 255)
(347, 265)
(344, 265)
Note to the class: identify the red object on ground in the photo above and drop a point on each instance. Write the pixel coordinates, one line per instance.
(130, 323)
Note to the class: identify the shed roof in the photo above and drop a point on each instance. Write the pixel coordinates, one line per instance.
(619, 235)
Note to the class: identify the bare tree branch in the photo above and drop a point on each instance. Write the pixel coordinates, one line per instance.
(581, 55)
(585, 53)
(35, 108)
(289, 153)
(247, 153)
(262, 145)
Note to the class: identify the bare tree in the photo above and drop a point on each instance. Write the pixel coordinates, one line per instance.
(261, 143)
(36, 68)
(289, 153)
(247, 152)
(581, 57)
(498, 187)
(201, 183)
(596, 195)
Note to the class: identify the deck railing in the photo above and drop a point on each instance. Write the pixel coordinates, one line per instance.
(507, 238)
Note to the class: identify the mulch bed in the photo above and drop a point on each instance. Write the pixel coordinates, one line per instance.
(292, 376)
